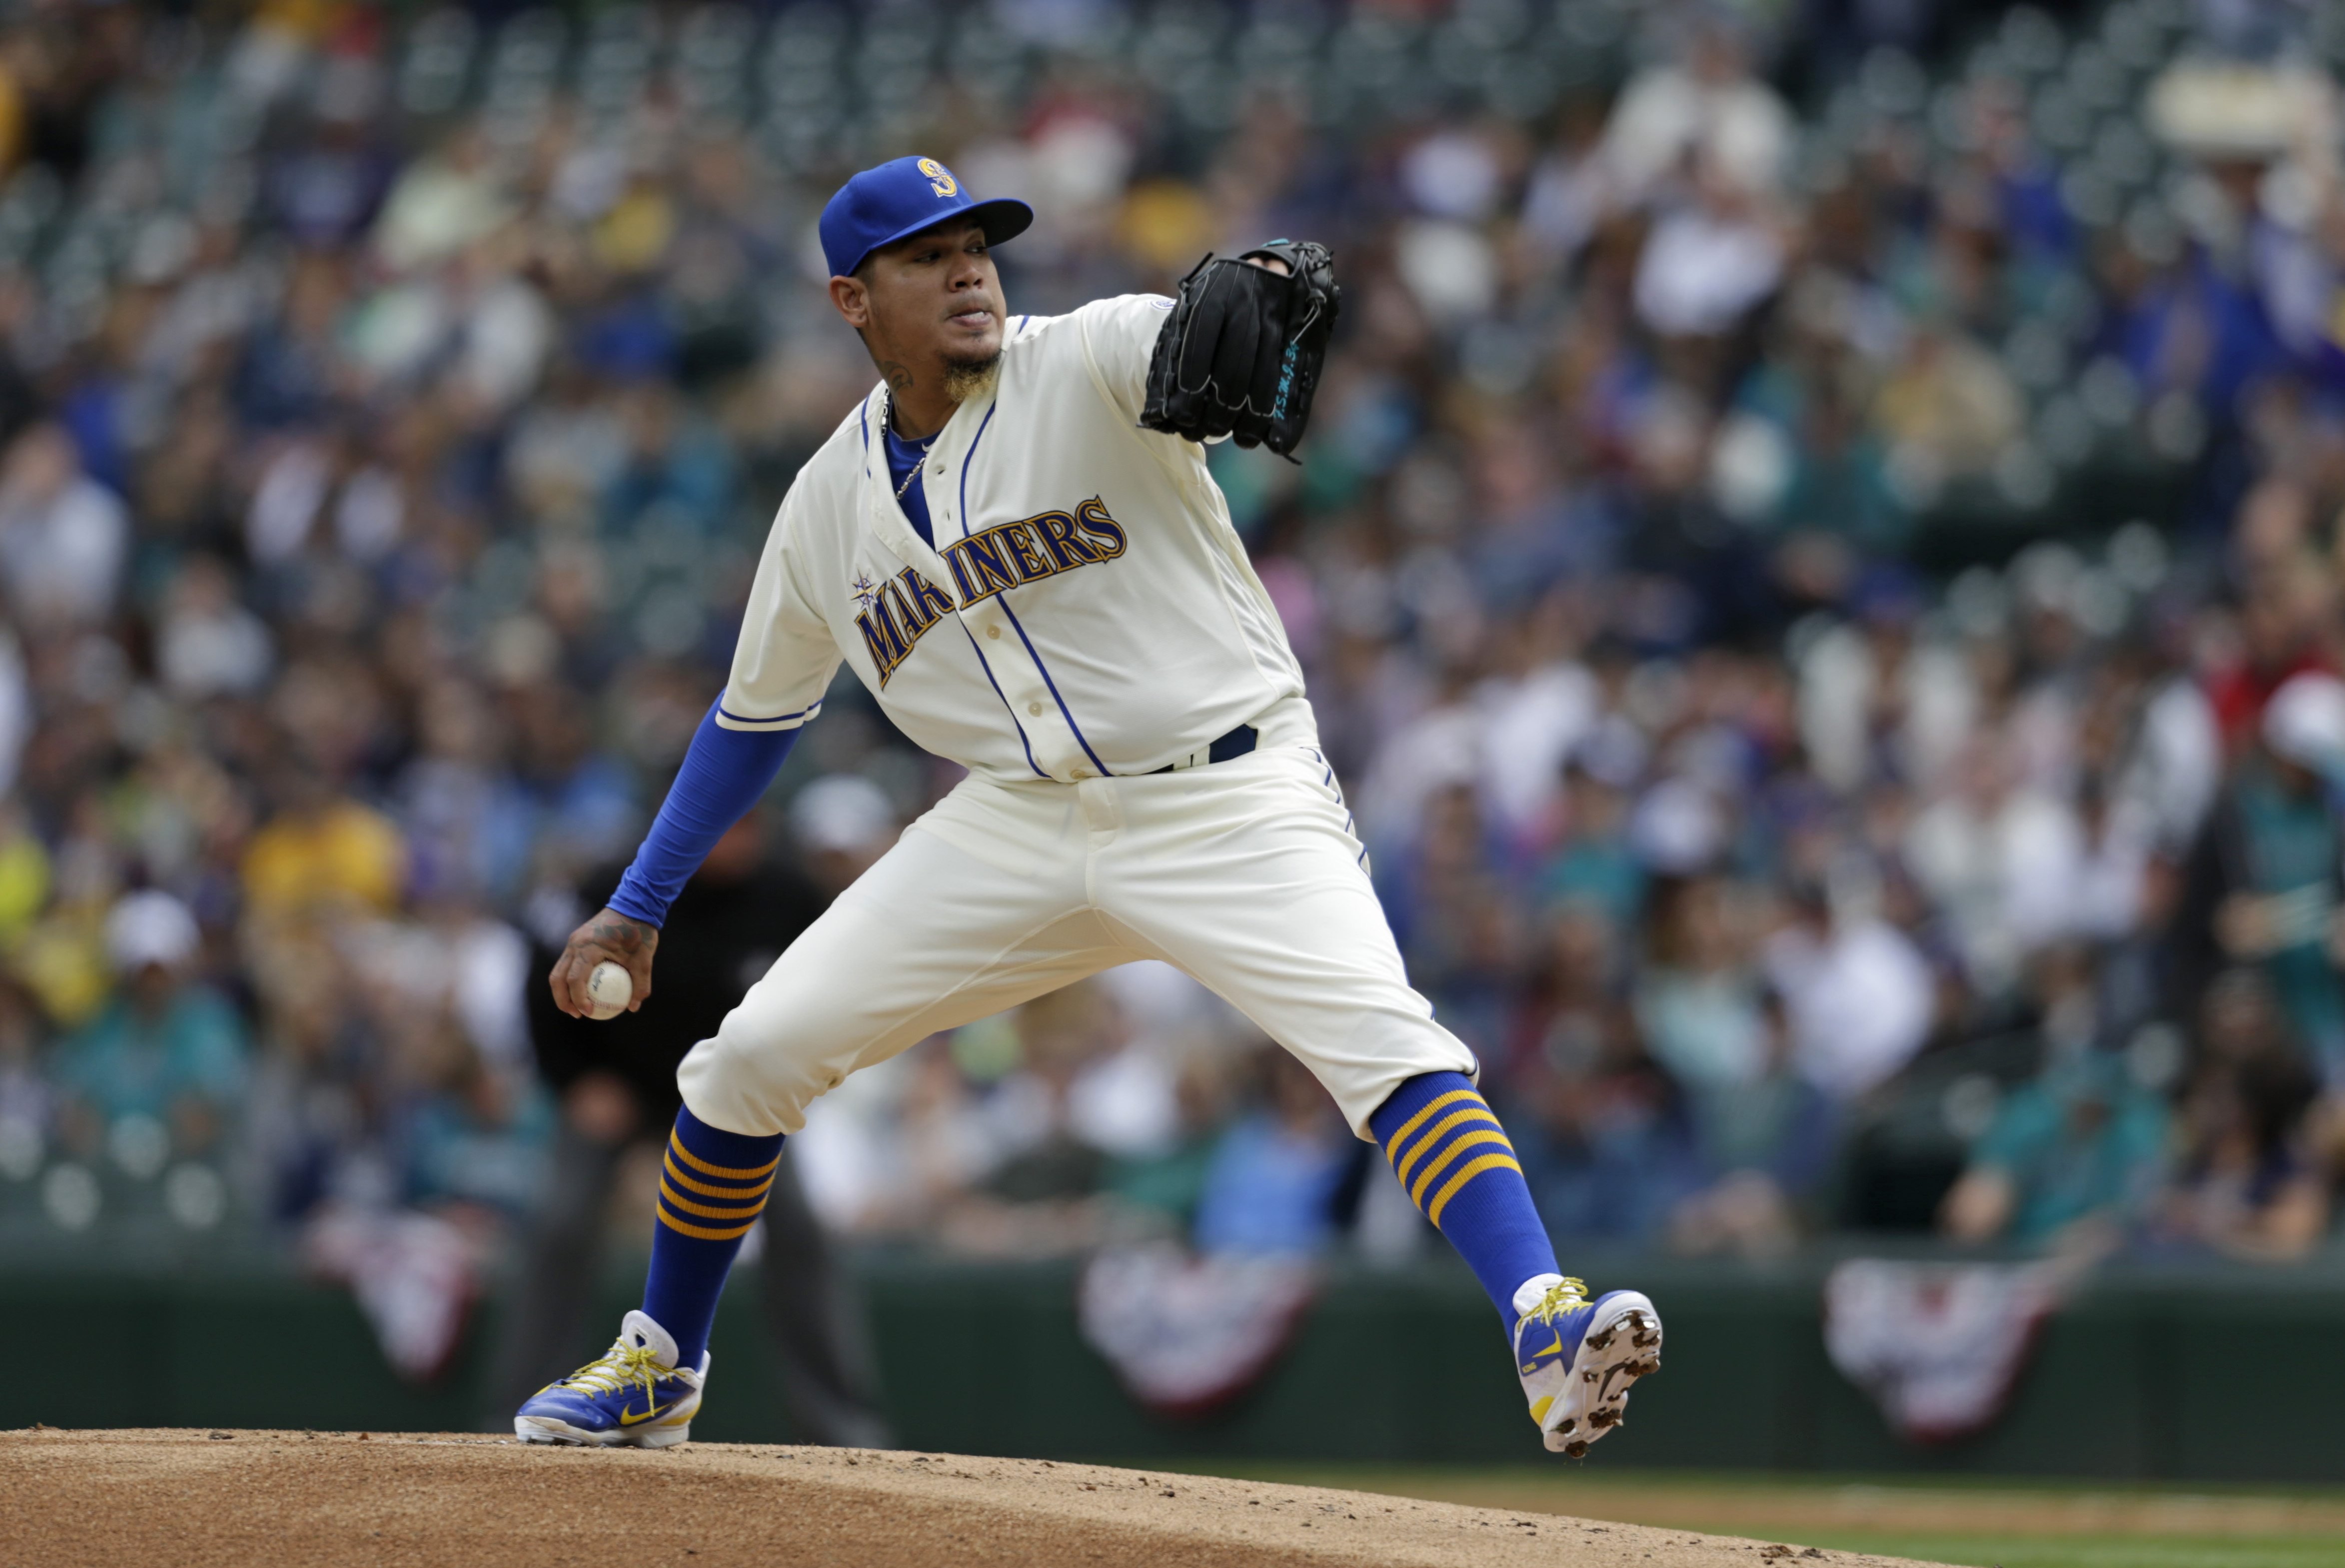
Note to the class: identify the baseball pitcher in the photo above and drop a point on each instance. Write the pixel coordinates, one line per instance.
(1014, 542)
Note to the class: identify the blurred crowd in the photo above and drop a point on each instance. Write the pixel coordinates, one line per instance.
(1817, 565)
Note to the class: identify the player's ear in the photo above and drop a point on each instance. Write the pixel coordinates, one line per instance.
(852, 299)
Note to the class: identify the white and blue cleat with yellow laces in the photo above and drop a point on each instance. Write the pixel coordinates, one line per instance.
(1578, 1357)
(633, 1395)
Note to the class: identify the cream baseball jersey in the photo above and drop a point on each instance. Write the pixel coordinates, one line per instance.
(1087, 609)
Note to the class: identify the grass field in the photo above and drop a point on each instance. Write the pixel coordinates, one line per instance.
(1992, 1525)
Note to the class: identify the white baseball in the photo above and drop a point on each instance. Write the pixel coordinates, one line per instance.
(610, 987)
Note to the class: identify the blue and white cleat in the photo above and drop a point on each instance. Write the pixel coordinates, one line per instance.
(635, 1395)
(1578, 1357)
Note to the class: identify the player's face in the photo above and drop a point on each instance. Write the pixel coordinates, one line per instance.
(934, 297)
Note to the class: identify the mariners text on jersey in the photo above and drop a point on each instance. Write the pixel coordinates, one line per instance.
(896, 614)
(1085, 608)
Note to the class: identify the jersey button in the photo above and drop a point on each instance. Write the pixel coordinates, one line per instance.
(993, 631)
(1035, 709)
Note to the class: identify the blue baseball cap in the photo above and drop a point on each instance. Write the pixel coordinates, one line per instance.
(902, 196)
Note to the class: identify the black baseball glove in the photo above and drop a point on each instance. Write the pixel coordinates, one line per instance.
(1240, 355)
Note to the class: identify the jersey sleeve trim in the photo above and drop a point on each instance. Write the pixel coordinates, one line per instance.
(727, 719)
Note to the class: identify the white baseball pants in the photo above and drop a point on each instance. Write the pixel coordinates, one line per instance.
(1243, 873)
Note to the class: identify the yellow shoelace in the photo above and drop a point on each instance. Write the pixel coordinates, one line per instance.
(1568, 1297)
(624, 1364)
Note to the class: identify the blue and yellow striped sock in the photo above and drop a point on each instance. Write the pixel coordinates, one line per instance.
(713, 1186)
(1454, 1160)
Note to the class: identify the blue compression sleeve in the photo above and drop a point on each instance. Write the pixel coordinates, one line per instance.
(723, 774)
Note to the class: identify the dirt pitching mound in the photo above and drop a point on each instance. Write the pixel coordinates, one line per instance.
(195, 1499)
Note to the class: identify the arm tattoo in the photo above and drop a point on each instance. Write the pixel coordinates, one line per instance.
(616, 932)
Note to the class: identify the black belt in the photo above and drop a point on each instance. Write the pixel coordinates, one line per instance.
(1234, 744)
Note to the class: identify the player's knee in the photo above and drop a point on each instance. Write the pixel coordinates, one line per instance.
(745, 1079)
(763, 1067)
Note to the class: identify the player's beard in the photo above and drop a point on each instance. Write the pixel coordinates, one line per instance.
(970, 380)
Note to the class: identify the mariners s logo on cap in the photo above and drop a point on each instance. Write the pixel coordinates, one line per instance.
(899, 199)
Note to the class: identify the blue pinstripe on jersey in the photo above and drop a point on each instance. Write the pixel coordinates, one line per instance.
(982, 426)
(1063, 709)
(1002, 599)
